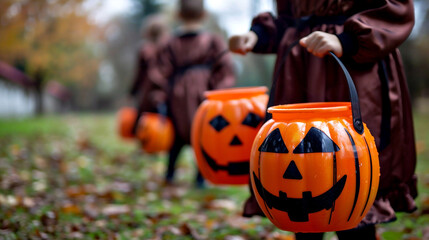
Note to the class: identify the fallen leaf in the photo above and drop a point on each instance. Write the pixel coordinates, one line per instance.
(114, 210)
(120, 159)
(79, 191)
(165, 229)
(420, 146)
(235, 237)
(40, 162)
(137, 233)
(71, 209)
(76, 235)
(211, 224)
(279, 236)
(151, 186)
(221, 204)
(172, 192)
(425, 204)
(122, 187)
(209, 197)
(237, 221)
(11, 180)
(101, 223)
(28, 202)
(9, 200)
(49, 219)
(84, 143)
(425, 181)
(91, 211)
(155, 218)
(186, 229)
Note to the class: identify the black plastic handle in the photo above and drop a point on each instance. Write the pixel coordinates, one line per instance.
(354, 99)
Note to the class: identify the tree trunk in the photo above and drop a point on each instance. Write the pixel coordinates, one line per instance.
(38, 81)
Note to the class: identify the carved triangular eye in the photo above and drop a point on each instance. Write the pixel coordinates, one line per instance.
(252, 120)
(316, 141)
(219, 123)
(274, 143)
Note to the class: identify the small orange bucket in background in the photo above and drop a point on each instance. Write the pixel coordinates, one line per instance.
(155, 132)
(223, 130)
(126, 119)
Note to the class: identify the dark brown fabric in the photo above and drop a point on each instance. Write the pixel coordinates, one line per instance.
(184, 91)
(141, 86)
(378, 27)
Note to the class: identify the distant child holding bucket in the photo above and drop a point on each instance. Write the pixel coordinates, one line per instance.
(366, 35)
(155, 33)
(192, 62)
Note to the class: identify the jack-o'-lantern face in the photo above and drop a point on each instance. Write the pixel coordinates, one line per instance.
(314, 176)
(222, 136)
(298, 209)
(238, 135)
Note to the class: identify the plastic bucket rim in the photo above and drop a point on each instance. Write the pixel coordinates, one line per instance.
(235, 93)
(312, 107)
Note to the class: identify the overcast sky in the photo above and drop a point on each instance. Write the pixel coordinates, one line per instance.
(235, 18)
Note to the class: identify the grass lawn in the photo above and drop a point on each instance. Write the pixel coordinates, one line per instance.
(71, 177)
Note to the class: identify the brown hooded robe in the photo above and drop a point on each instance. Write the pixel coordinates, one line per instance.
(205, 56)
(370, 32)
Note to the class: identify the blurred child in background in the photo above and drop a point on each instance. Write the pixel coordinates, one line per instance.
(366, 35)
(155, 33)
(193, 61)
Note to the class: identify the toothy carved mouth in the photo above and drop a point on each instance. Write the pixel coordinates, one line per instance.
(233, 168)
(299, 208)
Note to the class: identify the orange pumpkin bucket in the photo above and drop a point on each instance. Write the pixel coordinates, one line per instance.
(223, 130)
(126, 119)
(155, 132)
(314, 166)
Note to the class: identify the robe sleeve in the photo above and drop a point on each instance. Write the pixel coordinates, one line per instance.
(373, 33)
(138, 77)
(222, 73)
(269, 30)
(159, 75)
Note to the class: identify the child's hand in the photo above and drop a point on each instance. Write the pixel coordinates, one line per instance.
(243, 44)
(320, 43)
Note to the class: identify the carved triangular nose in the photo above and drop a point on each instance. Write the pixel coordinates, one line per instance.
(292, 172)
(235, 141)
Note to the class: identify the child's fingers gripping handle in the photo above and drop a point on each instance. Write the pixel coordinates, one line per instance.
(321, 43)
(354, 99)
